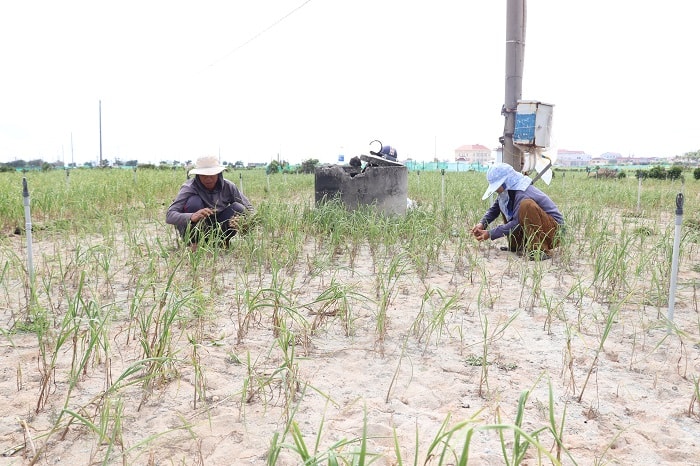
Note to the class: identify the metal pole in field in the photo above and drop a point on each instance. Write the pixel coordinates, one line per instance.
(639, 193)
(674, 261)
(100, 118)
(240, 181)
(443, 186)
(515, 58)
(28, 229)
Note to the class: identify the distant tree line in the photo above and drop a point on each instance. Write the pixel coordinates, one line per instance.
(307, 166)
(692, 155)
(661, 173)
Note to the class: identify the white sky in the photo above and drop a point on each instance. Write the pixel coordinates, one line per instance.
(178, 80)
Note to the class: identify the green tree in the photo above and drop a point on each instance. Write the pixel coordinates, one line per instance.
(675, 172)
(17, 163)
(272, 167)
(657, 172)
(308, 166)
(276, 167)
(692, 155)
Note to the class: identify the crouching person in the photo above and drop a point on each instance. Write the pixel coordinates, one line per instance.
(208, 206)
(533, 222)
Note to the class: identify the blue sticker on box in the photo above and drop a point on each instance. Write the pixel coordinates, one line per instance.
(524, 127)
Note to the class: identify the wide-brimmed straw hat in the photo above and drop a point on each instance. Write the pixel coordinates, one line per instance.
(208, 165)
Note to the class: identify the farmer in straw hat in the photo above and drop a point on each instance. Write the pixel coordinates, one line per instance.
(208, 203)
(532, 219)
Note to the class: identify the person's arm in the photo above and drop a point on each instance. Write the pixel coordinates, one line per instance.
(176, 214)
(479, 230)
(235, 195)
(509, 227)
(490, 215)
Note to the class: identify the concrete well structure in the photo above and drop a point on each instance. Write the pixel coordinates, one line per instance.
(386, 187)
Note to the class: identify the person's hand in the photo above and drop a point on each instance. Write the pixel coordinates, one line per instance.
(201, 214)
(481, 235)
(477, 229)
(243, 223)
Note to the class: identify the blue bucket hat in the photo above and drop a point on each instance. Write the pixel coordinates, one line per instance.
(500, 174)
(496, 176)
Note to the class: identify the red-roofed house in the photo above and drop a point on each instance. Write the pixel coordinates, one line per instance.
(473, 154)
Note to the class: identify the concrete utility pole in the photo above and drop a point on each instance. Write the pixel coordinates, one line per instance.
(515, 59)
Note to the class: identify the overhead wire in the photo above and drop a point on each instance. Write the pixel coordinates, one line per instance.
(255, 36)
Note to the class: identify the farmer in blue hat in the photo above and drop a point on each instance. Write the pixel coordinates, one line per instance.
(532, 219)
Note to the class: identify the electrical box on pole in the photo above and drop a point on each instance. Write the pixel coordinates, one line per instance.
(533, 124)
(532, 134)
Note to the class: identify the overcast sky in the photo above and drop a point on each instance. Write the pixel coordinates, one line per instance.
(251, 79)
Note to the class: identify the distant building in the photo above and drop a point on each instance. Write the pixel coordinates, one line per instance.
(611, 157)
(498, 154)
(572, 158)
(473, 154)
(639, 160)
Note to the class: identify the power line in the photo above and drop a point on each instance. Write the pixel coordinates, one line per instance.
(259, 34)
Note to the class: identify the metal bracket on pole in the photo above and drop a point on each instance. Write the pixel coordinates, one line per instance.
(539, 175)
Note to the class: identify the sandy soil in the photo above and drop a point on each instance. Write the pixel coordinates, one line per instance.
(636, 408)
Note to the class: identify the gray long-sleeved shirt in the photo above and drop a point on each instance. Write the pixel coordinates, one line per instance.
(223, 197)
